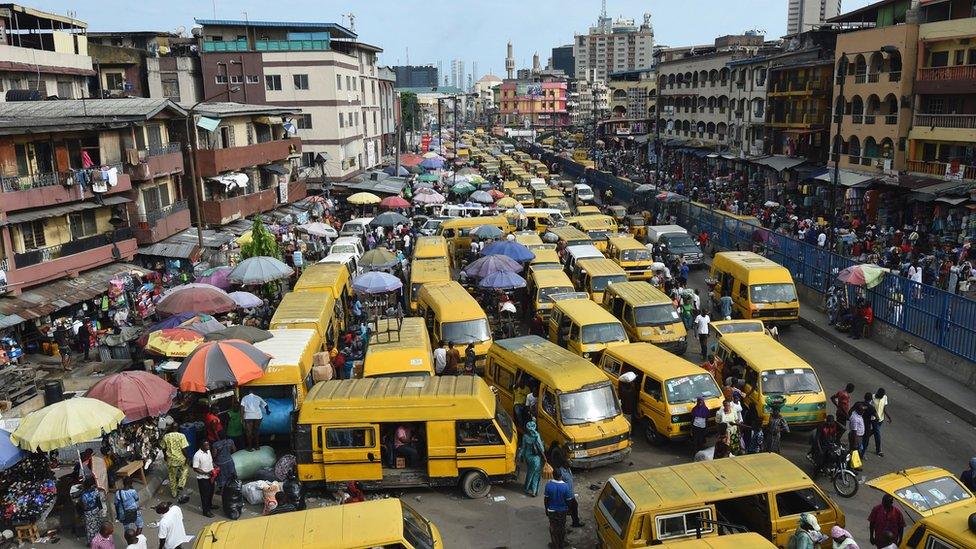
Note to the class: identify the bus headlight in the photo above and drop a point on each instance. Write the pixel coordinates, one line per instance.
(586, 355)
(675, 419)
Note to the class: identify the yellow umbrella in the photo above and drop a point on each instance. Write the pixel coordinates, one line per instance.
(174, 342)
(362, 199)
(245, 238)
(507, 202)
(66, 423)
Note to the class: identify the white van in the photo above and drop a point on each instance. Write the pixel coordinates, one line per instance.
(457, 210)
(575, 253)
(347, 245)
(583, 193)
(351, 261)
(356, 227)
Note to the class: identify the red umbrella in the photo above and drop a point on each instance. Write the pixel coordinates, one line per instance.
(496, 194)
(315, 198)
(138, 394)
(195, 298)
(221, 364)
(410, 160)
(394, 202)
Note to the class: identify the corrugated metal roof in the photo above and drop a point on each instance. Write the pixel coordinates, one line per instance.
(170, 249)
(87, 108)
(54, 296)
(222, 109)
(43, 213)
(277, 24)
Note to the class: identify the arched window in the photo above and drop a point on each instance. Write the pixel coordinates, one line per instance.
(721, 129)
(887, 148)
(710, 129)
(839, 147)
(890, 109)
(875, 63)
(854, 150)
(711, 104)
(857, 110)
(701, 103)
(723, 76)
(712, 77)
(894, 66)
(871, 149)
(723, 103)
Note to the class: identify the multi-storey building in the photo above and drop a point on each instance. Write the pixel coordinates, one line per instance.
(42, 55)
(389, 112)
(613, 46)
(632, 101)
(748, 79)
(416, 76)
(321, 68)
(807, 15)
(562, 60)
(538, 103)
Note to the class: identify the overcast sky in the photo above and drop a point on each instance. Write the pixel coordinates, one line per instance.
(441, 30)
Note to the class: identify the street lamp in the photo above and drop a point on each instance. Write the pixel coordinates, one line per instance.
(841, 79)
(192, 146)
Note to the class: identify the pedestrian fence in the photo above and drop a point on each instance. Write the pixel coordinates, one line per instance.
(941, 318)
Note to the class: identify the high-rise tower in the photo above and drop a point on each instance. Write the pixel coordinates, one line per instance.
(510, 62)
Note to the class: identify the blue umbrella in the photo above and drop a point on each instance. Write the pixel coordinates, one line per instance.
(486, 231)
(171, 322)
(10, 454)
(376, 282)
(487, 265)
(511, 249)
(432, 163)
(502, 280)
(403, 172)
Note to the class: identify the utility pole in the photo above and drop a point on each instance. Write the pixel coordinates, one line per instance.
(399, 129)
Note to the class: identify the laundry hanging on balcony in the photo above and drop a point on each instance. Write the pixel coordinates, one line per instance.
(231, 180)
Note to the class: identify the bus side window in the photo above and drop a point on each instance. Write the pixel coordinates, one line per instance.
(653, 388)
(428, 318)
(611, 365)
(627, 315)
(743, 291)
(618, 307)
(574, 332)
(549, 404)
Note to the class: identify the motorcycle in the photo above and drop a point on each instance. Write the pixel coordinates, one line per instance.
(838, 467)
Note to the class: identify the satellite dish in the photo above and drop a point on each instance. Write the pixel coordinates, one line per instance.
(180, 30)
(197, 31)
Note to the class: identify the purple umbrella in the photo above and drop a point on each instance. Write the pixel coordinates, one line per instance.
(502, 280)
(376, 282)
(428, 198)
(487, 265)
(432, 163)
(510, 249)
(217, 278)
(245, 300)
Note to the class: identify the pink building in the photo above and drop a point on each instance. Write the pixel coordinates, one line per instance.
(539, 104)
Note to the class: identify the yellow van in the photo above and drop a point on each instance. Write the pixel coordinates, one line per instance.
(346, 429)
(595, 228)
(770, 370)
(594, 275)
(430, 247)
(585, 210)
(524, 196)
(647, 314)
(457, 231)
(332, 278)
(759, 288)
(576, 405)
(571, 236)
(544, 283)
(556, 204)
(287, 378)
(632, 256)
(764, 493)
(944, 505)
(746, 540)
(532, 241)
(399, 348)
(377, 523)
(422, 272)
(453, 316)
(668, 387)
(584, 327)
(299, 310)
(545, 260)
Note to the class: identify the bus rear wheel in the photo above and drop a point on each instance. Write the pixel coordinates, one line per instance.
(475, 484)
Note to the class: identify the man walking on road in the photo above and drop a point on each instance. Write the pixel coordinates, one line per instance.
(203, 466)
(880, 402)
(701, 328)
(885, 517)
(173, 444)
(842, 400)
(556, 497)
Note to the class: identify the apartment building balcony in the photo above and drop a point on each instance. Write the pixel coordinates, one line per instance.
(214, 46)
(53, 262)
(224, 210)
(798, 120)
(946, 80)
(211, 162)
(944, 127)
(798, 87)
(157, 162)
(22, 192)
(940, 168)
(154, 226)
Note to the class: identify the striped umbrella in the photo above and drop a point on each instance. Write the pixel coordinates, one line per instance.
(221, 364)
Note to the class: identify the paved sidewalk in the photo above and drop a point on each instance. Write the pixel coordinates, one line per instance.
(934, 386)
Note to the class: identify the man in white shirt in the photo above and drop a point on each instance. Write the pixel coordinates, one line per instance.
(822, 239)
(172, 532)
(253, 409)
(440, 358)
(135, 541)
(203, 468)
(701, 328)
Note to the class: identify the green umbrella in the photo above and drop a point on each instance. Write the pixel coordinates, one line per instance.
(462, 188)
(428, 177)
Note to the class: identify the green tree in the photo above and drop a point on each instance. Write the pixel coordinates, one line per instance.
(262, 243)
(409, 111)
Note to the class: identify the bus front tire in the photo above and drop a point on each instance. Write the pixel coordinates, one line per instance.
(651, 435)
(475, 484)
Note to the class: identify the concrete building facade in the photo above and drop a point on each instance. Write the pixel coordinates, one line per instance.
(807, 15)
(613, 46)
(415, 76)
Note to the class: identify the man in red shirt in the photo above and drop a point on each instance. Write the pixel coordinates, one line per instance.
(842, 400)
(212, 425)
(885, 517)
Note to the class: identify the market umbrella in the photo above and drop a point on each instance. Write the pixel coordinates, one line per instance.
(195, 298)
(220, 365)
(259, 270)
(10, 454)
(245, 238)
(317, 228)
(496, 194)
(463, 188)
(315, 198)
(363, 199)
(432, 163)
(426, 199)
(137, 393)
(431, 154)
(421, 185)
(645, 188)
(467, 171)
(174, 342)
(487, 232)
(481, 197)
(389, 219)
(430, 177)
(66, 423)
(392, 170)
(217, 277)
(507, 202)
(393, 202)
(509, 248)
(668, 196)
(249, 334)
(485, 266)
(170, 322)
(205, 327)
(865, 275)
(410, 160)
(378, 258)
(376, 282)
(502, 280)
(246, 300)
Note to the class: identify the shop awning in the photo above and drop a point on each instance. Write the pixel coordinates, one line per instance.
(847, 178)
(713, 155)
(171, 250)
(268, 120)
(390, 185)
(954, 200)
(7, 321)
(779, 162)
(231, 180)
(275, 168)
(51, 297)
(57, 211)
(947, 187)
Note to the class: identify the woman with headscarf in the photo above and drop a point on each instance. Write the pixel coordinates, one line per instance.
(699, 423)
(730, 415)
(842, 538)
(807, 534)
(531, 451)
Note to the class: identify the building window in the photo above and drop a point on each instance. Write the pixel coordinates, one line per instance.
(301, 81)
(350, 122)
(220, 79)
(82, 224)
(171, 89)
(235, 79)
(342, 121)
(33, 234)
(272, 82)
(348, 82)
(114, 81)
(65, 89)
(156, 198)
(304, 121)
(338, 81)
(253, 79)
